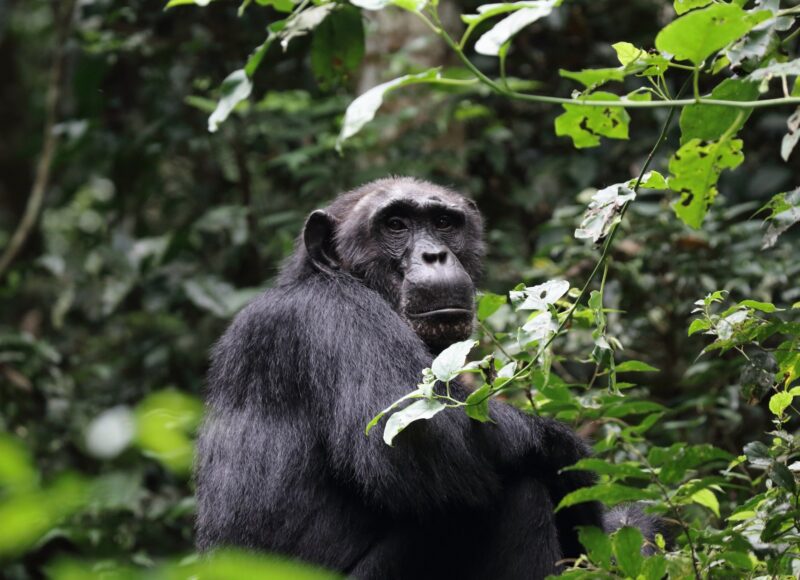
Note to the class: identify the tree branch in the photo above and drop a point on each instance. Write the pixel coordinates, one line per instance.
(44, 165)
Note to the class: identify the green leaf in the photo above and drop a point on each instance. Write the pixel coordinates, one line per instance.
(172, 3)
(164, 422)
(279, 5)
(710, 122)
(419, 393)
(585, 125)
(607, 493)
(698, 325)
(680, 457)
(416, 411)
(699, 34)
(16, 466)
(706, 498)
(597, 544)
(591, 78)
(654, 568)
(235, 89)
(651, 180)
(635, 366)
(492, 41)
(451, 360)
(337, 47)
(695, 169)
(478, 404)
(761, 306)
(488, 304)
(362, 110)
(683, 6)
(779, 402)
(627, 53)
(627, 546)
(605, 467)
(781, 475)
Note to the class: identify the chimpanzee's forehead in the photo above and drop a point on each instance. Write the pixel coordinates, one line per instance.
(414, 194)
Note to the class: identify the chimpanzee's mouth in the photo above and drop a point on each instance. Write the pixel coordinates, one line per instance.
(449, 311)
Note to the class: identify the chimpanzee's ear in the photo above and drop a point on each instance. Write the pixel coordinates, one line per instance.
(318, 238)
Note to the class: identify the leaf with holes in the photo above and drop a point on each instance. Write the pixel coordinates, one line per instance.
(695, 169)
(586, 124)
(594, 77)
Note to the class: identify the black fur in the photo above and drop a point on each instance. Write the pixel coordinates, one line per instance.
(283, 462)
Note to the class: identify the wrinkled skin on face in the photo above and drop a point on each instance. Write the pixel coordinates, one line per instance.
(417, 244)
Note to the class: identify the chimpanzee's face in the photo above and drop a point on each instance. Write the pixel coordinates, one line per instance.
(421, 237)
(420, 247)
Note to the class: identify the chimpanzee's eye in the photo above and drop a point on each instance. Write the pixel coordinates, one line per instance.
(444, 222)
(396, 224)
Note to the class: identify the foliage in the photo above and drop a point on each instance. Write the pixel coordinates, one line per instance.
(155, 232)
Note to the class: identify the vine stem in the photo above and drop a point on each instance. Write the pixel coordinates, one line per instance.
(603, 256)
(665, 492)
(437, 28)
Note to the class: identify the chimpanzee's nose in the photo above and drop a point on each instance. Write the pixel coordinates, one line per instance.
(435, 257)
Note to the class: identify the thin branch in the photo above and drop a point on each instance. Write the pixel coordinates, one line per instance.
(439, 30)
(44, 165)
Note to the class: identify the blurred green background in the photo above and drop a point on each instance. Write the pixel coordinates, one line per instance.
(153, 232)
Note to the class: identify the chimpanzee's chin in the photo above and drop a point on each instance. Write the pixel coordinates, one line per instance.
(441, 329)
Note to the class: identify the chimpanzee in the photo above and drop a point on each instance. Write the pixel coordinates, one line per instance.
(380, 281)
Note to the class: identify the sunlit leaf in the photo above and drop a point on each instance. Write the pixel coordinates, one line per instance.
(585, 125)
(779, 402)
(591, 78)
(699, 34)
(695, 169)
(706, 498)
(539, 297)
(492, 41)
(362, 110)
(603, 212)
(416, 411)
(683, 6)
(235, 89)
(451, 360)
